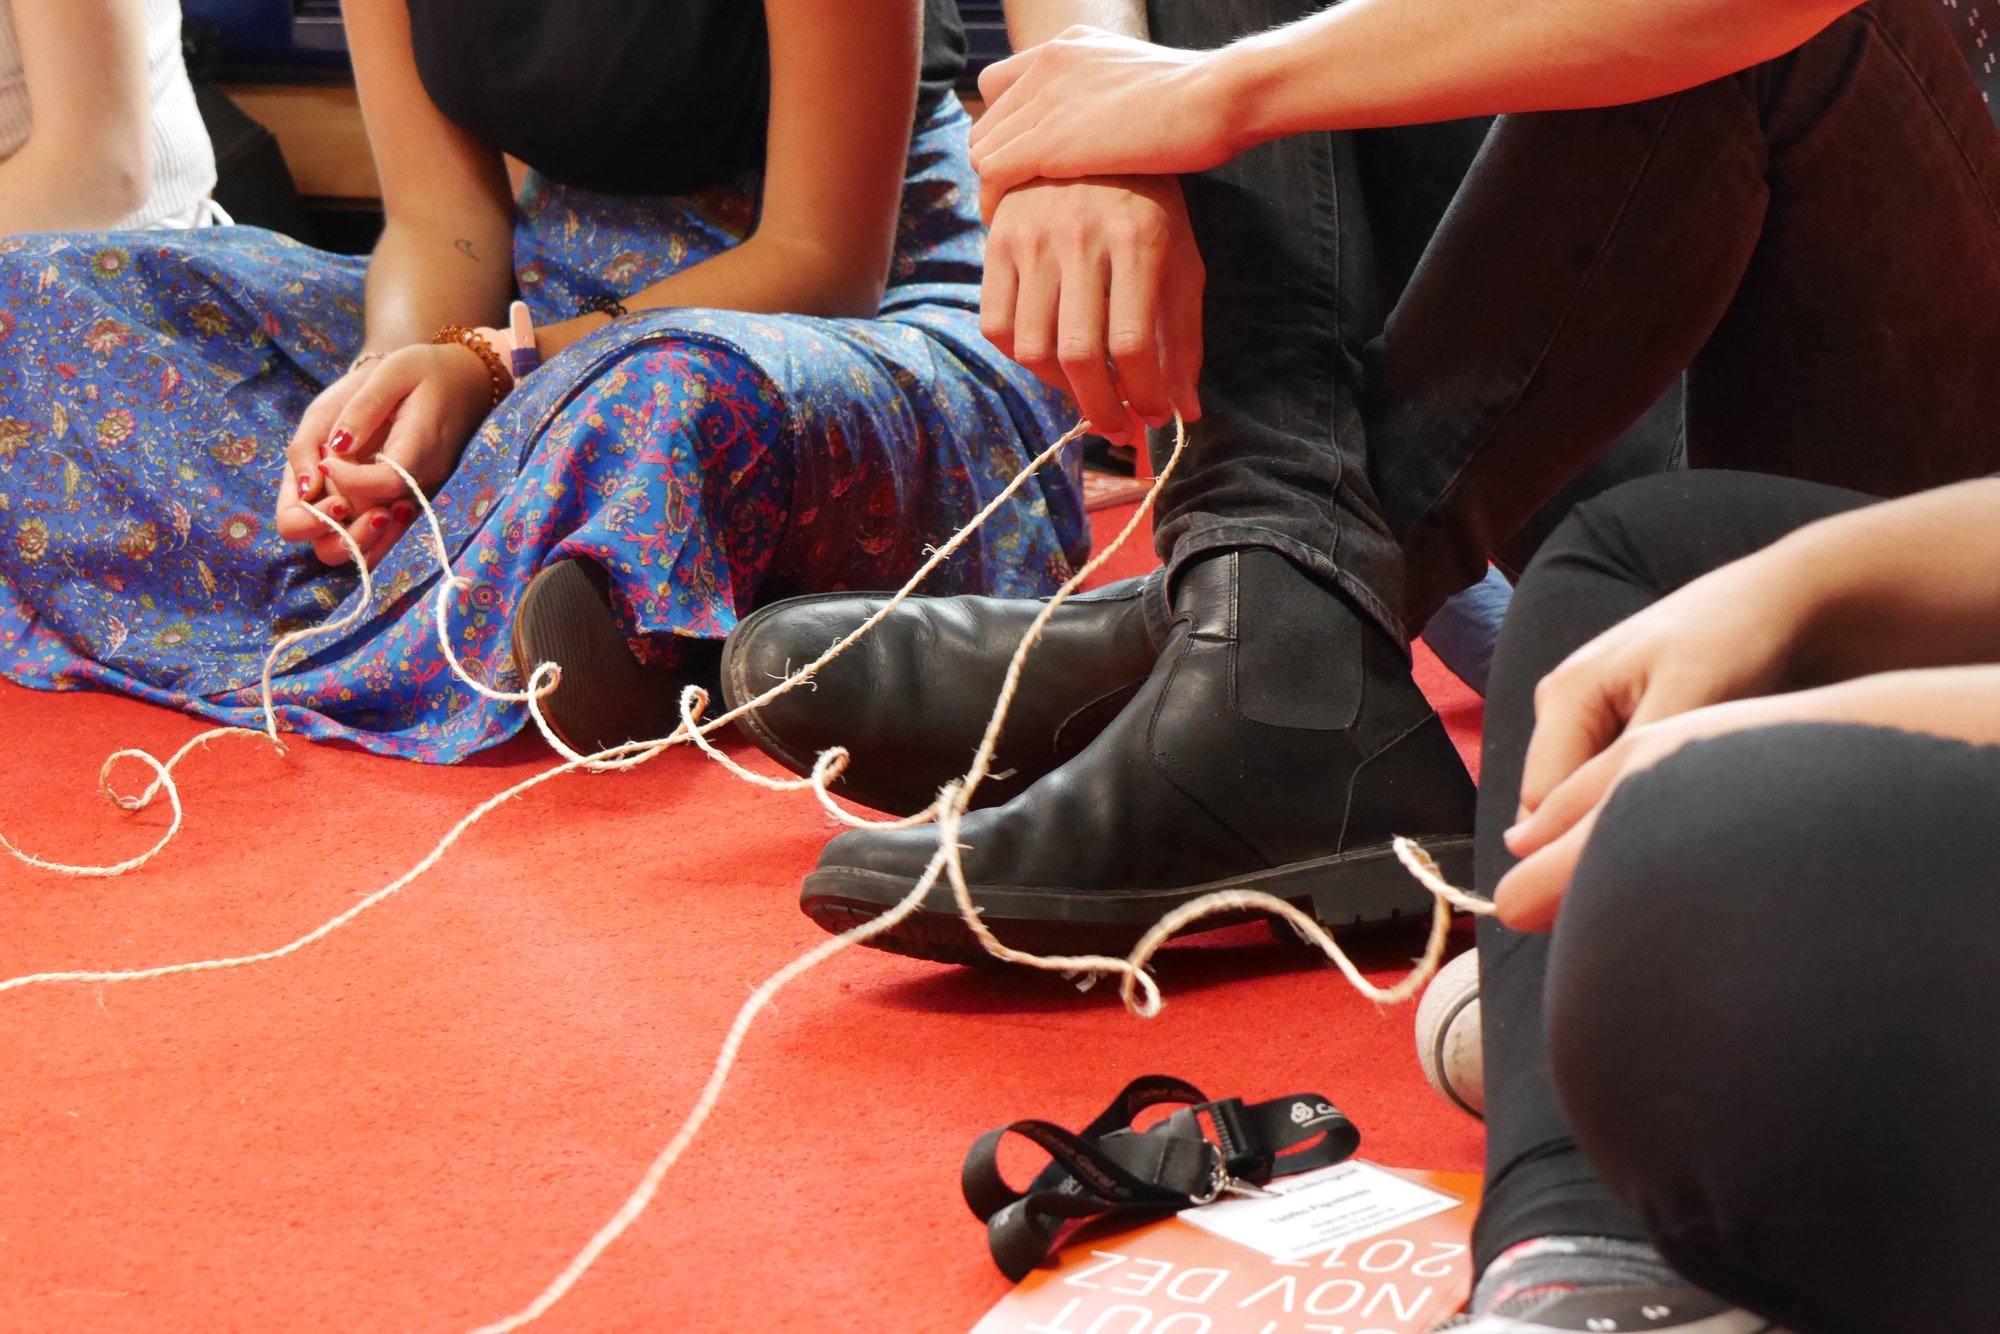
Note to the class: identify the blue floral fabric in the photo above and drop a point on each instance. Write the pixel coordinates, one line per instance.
(149, 383)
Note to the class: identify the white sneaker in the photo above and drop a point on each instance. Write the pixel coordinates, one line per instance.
(1448, 1034)
(1672, 1310)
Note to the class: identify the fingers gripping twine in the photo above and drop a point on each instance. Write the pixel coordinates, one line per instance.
(1140, 992)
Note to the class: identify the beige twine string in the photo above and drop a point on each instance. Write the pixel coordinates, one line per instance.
(1140, 992)
(163, 774)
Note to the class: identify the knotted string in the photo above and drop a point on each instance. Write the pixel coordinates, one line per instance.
(1141, 994)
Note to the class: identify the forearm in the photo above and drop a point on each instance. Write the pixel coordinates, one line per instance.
(1369, 63)
(87, 162)
(836, 154)
(766, 274)
(1958, 702)
(1032, 22)
(1907, 583)
(421, 278)
(46, 191)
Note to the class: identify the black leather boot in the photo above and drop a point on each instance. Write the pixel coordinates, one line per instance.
(1279, 744)
(911, 700)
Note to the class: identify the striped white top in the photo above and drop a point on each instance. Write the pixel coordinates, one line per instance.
(183, 161)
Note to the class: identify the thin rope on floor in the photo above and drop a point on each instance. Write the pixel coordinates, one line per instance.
(1140, 992)
(163, 774)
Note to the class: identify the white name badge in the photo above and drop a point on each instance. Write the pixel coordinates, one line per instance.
(1316, 1211)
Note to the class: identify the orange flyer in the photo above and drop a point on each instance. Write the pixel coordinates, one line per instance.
(1351, 1249)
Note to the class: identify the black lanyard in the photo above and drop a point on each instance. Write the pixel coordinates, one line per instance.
(1194, 1156)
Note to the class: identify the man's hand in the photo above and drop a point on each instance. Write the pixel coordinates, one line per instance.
(1092, 103)
(1096, 287)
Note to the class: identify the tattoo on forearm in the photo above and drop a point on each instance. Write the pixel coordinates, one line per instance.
(465, 248)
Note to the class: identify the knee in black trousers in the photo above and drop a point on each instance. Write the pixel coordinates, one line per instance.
(1771, 1003)
(1659, 533)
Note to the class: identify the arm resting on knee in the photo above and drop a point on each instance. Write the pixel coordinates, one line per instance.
(1913, 582)
(1962, 703)
(1396, 62)
(1032, 22)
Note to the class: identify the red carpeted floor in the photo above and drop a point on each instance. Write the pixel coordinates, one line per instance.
(414, 1124)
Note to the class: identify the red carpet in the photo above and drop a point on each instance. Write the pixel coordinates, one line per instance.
(414, 1124)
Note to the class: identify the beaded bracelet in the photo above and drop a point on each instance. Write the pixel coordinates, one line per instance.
(604, 305)
(496, 371)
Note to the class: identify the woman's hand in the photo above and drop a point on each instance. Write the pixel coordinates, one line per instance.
(1093, 103)
(1550, 840)
(418, 407)
(1737, 632)
(304, 485)
(1960, 703)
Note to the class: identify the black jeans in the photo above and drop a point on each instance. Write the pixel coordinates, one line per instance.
(1767, 1007)
(1814, 242)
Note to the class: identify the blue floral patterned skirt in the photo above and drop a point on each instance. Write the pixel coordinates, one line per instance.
(149, 383)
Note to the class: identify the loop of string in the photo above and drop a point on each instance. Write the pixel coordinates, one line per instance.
(1138, 989)
(163, 774)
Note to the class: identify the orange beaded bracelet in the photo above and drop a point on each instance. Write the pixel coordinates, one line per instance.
(496, 370)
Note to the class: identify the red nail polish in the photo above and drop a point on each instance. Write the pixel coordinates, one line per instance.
(342, 441)
(338, 511)
(379, 521)
(404, 511)
(306, 485)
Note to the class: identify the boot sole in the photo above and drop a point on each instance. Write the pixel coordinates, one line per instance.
(606, 696)
(1365, 887)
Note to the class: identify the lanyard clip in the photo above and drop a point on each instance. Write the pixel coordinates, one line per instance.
(1221, 1184)
(1248, 1190)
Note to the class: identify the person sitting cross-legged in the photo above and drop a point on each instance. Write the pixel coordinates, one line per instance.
(744, 364)
(1742, 758)
(1787, 204)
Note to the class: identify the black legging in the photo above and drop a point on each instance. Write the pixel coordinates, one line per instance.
(1769, 1009)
